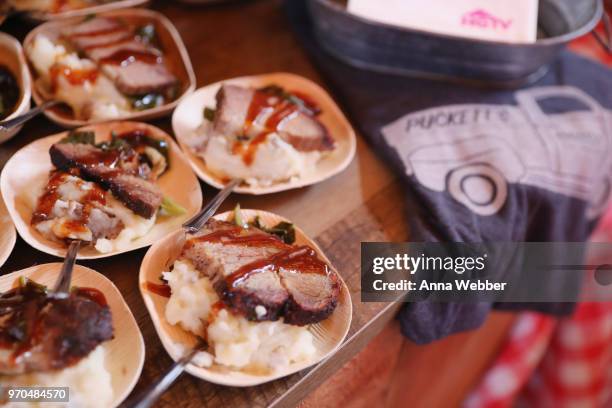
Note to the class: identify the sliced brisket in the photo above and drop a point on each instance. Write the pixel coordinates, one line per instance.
(100, 54)
(92, 27)
(251, 268)
(136, 67)
(232, 107)
(138, 78)
(312, 297)
(45, 334)
(95, 164)
(305, 133)
(86, 43)
(218, 259)
(298, 127)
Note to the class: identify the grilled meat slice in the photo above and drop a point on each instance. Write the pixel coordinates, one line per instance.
(305, 133)
(92, 27)
(96, 32)
(232, 108)
(258, 297)
(297, 127)
(312, 297)
(250, 268)
(104, 168)
(38, 333)
(217, 237)
(212, 253)
(141, 196)
(138, 78)
(135, 66)
(88, 42)
(130, 45)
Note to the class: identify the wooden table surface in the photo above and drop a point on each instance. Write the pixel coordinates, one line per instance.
(364, 203)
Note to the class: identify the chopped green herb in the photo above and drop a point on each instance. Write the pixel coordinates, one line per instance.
(171, 208)
(284, 230)
(78, 136)
(238, 219)
(25, 282)
(139, 138)
(148, 101)
(158, 144)
(115, 143)
(156, 161)
(209, 114)
(148, 34)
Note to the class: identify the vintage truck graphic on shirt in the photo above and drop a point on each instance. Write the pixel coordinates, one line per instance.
(473, 151)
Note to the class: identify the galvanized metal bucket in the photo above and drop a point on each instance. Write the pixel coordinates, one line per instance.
(385, 48)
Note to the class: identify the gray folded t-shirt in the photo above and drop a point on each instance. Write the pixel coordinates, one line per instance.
(484, 165)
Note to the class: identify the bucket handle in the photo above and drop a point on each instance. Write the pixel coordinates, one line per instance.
(606, 40)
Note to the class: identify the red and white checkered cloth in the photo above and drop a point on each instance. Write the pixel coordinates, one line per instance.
(548, 362)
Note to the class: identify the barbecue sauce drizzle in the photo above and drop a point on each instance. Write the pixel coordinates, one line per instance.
(161, 289)
(122, 56)
(46, 202)
(92, 294)
(300, 258)
(74, 77)
(24, 313)
(96, 196)
(63, 5)
(125, 56)
(78, 77)
(263, 103)
(58, 5)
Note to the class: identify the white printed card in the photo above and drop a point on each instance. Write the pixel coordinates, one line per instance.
(499, 20)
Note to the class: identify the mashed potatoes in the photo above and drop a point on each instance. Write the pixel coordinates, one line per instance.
(192, 298)
(235, 341)
(71, 192)
(88, 380)
(274, 161)
(96, 99)
(135, 227)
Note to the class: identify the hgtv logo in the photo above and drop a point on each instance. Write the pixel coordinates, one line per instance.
(483, 19)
